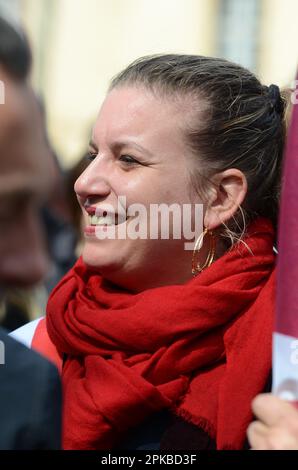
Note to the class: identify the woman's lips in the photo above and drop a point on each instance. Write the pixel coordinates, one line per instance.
(111, 216)
(90, 230)
(93, 210)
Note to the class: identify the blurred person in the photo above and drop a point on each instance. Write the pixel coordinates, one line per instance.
(60, 230)
(152, 340)
(57, 220)
(28, 381)
(20, 305)
(276, 427)
(76, 214)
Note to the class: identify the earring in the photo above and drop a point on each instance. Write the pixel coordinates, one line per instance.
(196, 267)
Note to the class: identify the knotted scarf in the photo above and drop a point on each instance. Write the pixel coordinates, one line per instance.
(201, 349)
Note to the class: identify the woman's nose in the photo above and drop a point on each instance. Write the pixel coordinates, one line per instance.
(93, 181)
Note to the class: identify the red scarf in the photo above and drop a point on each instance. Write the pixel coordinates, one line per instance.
(202, 349)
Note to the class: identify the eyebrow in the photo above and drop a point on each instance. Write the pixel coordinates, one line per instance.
(123, 143)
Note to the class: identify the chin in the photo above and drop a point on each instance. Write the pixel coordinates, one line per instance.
(99, 258)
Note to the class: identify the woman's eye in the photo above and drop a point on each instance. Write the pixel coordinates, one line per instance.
(128, 159)
(91, 156)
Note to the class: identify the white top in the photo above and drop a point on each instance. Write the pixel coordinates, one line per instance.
(25, 333)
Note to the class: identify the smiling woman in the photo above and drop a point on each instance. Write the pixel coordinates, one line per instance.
(130, 121)
(155, 357)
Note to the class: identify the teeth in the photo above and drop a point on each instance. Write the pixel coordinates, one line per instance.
(107, 220)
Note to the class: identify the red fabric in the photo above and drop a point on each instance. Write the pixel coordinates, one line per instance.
(202, 348)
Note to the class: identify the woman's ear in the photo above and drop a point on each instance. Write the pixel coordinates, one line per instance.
(225, 196)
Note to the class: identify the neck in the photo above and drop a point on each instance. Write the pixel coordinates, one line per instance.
(152, 277)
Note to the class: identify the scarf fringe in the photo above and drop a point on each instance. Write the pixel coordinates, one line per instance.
(198, 421)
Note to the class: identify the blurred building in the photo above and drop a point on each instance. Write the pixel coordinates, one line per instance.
(80, 44)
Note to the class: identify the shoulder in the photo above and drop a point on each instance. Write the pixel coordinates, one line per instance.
(25, 333)
(34, 335)
(24, 362)
(30, 396)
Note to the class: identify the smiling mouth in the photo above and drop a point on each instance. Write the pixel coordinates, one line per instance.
(103, 217)
(103, 220)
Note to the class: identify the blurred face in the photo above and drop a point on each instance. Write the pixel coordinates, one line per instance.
(24, 184)
(138, 151)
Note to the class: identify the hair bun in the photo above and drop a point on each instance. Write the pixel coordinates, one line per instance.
(276, 102)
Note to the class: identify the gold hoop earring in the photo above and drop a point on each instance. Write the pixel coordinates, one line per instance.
(196, 267)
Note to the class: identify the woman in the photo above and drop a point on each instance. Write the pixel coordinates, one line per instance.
(163, 347)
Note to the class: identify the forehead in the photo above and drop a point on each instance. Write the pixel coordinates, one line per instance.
(137, 112)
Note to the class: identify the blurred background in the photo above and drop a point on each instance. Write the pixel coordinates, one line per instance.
(78, 45)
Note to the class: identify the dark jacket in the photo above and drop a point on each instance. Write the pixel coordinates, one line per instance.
(30, 398)
(167, 432)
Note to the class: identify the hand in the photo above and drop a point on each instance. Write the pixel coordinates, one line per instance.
(277, 425)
